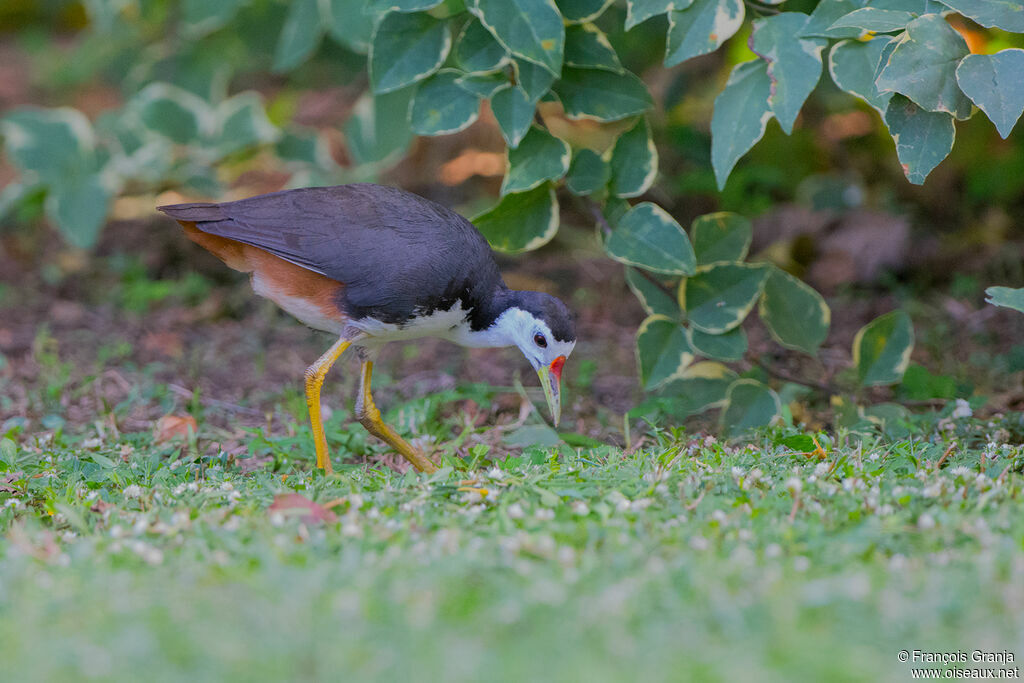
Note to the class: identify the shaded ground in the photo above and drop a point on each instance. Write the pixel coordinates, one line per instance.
(153, 325)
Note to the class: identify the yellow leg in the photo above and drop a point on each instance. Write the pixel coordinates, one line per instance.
(369, 417)
(315, 374)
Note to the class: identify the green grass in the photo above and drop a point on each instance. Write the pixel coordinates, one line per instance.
(125, 560)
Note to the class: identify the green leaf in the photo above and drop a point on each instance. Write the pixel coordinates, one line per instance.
(522, 221)
(662, 352)
(534, 80)
(749, 404)
(702, 386)
(483, 85)
(647, 237)
(300, 36)
(538, 158)
(579, 11)
(242, 123)
(923, 138)
(531, 29)
(721, 236)
(513, 110)
(741, 115)
(476, 50)
(874, 19)
(174, 113)
(586, 46)
(1005, 14)
(701, 28)
(1006, 296)
(653, 299)
(588, 173)
(638, 11)
(852, 64)
(378, 129)
(634, 162)
(78, 205)
(730, 346)
(602, 95)
(996, 84)
(720, 296)
(406, 48)
(348, 24)
(441, 106)
(49, 143)
(919, 384)
(923, 67)
(794, 64)
(881, 349)
(826, 12)
(401, 5)
(795, 315)
(206, 16)
(305, 146)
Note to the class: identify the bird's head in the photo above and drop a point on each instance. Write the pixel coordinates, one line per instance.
(543, 329)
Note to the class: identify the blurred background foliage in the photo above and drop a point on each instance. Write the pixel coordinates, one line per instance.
(126, 64)
(150, 101)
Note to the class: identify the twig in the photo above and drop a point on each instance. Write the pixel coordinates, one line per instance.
(945, 455)
(215, 403)
(823, 386)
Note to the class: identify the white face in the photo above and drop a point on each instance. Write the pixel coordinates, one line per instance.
(533, 337)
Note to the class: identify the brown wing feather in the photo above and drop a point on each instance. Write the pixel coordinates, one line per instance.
(280, 280)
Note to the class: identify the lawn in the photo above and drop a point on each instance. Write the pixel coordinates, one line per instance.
(684, 559)
(653, 553)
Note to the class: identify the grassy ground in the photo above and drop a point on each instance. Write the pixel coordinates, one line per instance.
(658, 556)
(682, 560)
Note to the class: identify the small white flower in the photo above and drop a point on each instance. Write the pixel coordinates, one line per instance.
(773, 550)
(962, 409)
(794, 485)
(960, 471)
(227, 486)
(544, 514)
(925, 522)
(496, 474)
(14, 503)
(801, 563)
(719, 516)
(515, 511)
(933, 490)
(699, 543)
(133, 491)
(738, 471)
(821, 469)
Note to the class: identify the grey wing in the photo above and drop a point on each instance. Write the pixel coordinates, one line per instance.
(393, 250)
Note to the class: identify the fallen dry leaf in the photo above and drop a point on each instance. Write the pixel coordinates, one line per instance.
(171, 427)
(296, 503)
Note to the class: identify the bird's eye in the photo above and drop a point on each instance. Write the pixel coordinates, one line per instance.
(540, 341)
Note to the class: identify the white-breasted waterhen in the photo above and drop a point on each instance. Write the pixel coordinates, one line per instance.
(375, 264)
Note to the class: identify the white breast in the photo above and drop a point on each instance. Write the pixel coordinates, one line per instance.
(450, 324)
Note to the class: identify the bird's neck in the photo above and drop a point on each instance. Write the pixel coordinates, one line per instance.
(494, 322)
